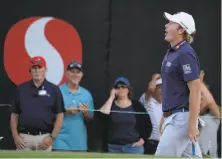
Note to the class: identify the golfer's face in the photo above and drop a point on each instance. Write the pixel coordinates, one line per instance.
(171, 31)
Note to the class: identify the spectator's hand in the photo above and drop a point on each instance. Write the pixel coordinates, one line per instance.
(152, 83)
(19, 142)
(72, 110)
(155, 76)
(113, 93)
(138, 143)
(202, 74)
(84, 109)
(46, 142)
(152, 86)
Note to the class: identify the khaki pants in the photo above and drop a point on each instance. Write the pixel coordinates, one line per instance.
(32, 142)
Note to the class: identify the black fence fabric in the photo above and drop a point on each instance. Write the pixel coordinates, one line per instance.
(120, 38)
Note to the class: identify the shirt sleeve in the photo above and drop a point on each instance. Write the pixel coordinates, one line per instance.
(59, 102)
(144, 124)
(150, 109)
(142, 99)
(189, 64)
(16, 103)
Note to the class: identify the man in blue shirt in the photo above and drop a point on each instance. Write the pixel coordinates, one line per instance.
(79, 108)
(181, 90)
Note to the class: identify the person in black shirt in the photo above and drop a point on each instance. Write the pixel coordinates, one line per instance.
(37, 110)
(127, 129)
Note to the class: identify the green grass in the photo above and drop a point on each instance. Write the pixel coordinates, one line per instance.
(41, 154)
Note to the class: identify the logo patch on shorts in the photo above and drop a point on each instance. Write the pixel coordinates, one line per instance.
(187, 69)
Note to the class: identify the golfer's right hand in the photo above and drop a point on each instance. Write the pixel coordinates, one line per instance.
(193, 134)
(19, 142)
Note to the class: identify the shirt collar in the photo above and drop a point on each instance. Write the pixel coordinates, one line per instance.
(177, 46)
(69, 92)
(41, 86)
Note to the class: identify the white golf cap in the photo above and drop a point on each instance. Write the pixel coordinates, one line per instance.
(159, 81)
(184, 19)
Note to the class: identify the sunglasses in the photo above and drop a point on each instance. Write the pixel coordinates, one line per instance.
(75, 64)
(120, 86)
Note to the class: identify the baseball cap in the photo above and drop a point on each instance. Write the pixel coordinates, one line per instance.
(122, 80)
(37, 61)
(74, 64)
(184, 19)
(159, 81)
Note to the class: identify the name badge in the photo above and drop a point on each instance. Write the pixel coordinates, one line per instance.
(42, 92)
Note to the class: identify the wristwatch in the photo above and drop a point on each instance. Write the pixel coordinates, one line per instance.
(53, 138)
(78, 108)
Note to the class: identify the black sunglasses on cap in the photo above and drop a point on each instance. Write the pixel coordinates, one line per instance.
(120, 85)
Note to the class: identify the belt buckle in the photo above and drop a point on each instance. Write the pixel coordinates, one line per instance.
(166, 114)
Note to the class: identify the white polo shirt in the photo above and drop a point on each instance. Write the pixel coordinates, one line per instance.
(154, 109)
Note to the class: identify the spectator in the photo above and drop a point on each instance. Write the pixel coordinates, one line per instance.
(152, 101)
(128, 123)
(79, 104)
(210, 114)
(37, 110)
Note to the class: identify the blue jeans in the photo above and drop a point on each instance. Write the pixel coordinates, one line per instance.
(128, 149)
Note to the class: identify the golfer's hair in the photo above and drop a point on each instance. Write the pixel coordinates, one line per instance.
(188, 37)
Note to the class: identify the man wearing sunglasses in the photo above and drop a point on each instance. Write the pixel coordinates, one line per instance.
(79, 109)
(37, 110)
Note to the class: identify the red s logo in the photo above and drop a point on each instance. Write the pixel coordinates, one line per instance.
(54, 39)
